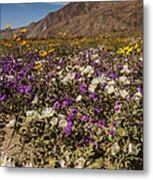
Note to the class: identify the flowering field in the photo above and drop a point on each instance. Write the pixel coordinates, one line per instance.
(72, 103)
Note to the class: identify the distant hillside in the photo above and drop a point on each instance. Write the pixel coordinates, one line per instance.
(87, 19)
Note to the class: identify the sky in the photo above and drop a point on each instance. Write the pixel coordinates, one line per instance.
(22, 14)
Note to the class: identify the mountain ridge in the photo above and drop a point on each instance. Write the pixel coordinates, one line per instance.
(86, 19)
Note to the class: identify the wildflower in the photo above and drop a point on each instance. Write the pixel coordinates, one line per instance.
(3, 97)
(140, 89)
(92, 88)
(100, 124)
(25, 89)
(54, 121)
(110, 89)
(62, 163)
(8, 26)
(74, 111)
(43, 54)
(32, 114)
(63, 123)
(47, 112)
(23, 43)
(23, 30)
(132, 149)
(18, 39)
(125, 50)
(77, 76)
(93, 96)
(97, 110)
(124, 93)
(68, 128)
(89, 140)
(117, 108)
(85, 118)
(14, 36)
(125, 69)
(70, 117)
(83, 88)
(112, 132)
(113, 76)
(79, 163)
(87, 70)
(124, 80)
(79, 97)
(115, 149)
(56, 105)
(37, 67)
(66, 102)
(51, 50)
(35, 100)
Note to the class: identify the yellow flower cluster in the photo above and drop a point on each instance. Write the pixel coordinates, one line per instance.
(125, 50)
(23, 30)
(63, 34)
(37, 67)
(43, 54)
(8, 26)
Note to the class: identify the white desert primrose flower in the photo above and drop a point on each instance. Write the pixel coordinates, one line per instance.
(35, 100)
(97, 61)
(92, 87)
(32, 114)
(110, 89)
(69, 77)
(99, 80)
(54, 121)
(63, 123)
(126, 69)
(79, 163)
(110, 82)
(47, 112)
(61, 116)
(124, 93)
(87, 70)
(124, 80)
(10, 77)
(11, 123)
(137, 96)
(115, 149)
(63, 163)
(78, 98)
(132, 149)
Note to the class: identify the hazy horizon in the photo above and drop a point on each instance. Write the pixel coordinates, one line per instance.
(22, 14)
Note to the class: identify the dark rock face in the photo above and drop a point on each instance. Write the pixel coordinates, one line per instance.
(87, 19)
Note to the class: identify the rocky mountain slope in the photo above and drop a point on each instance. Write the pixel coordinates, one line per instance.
(87, 19)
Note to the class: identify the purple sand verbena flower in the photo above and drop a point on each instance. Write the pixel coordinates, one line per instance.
(100, 124)
(93, 96)
(140, 89)
(112, 132)
(85, 118)
(89, 140)
(83, 88)
(25, 89)
(74, 111)
(66, 102)
(68, 128)
(77, 76)
(56, 105)
(3, 97)
(70, 117)
(97, 110)
(117, 108)
(113, 76)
